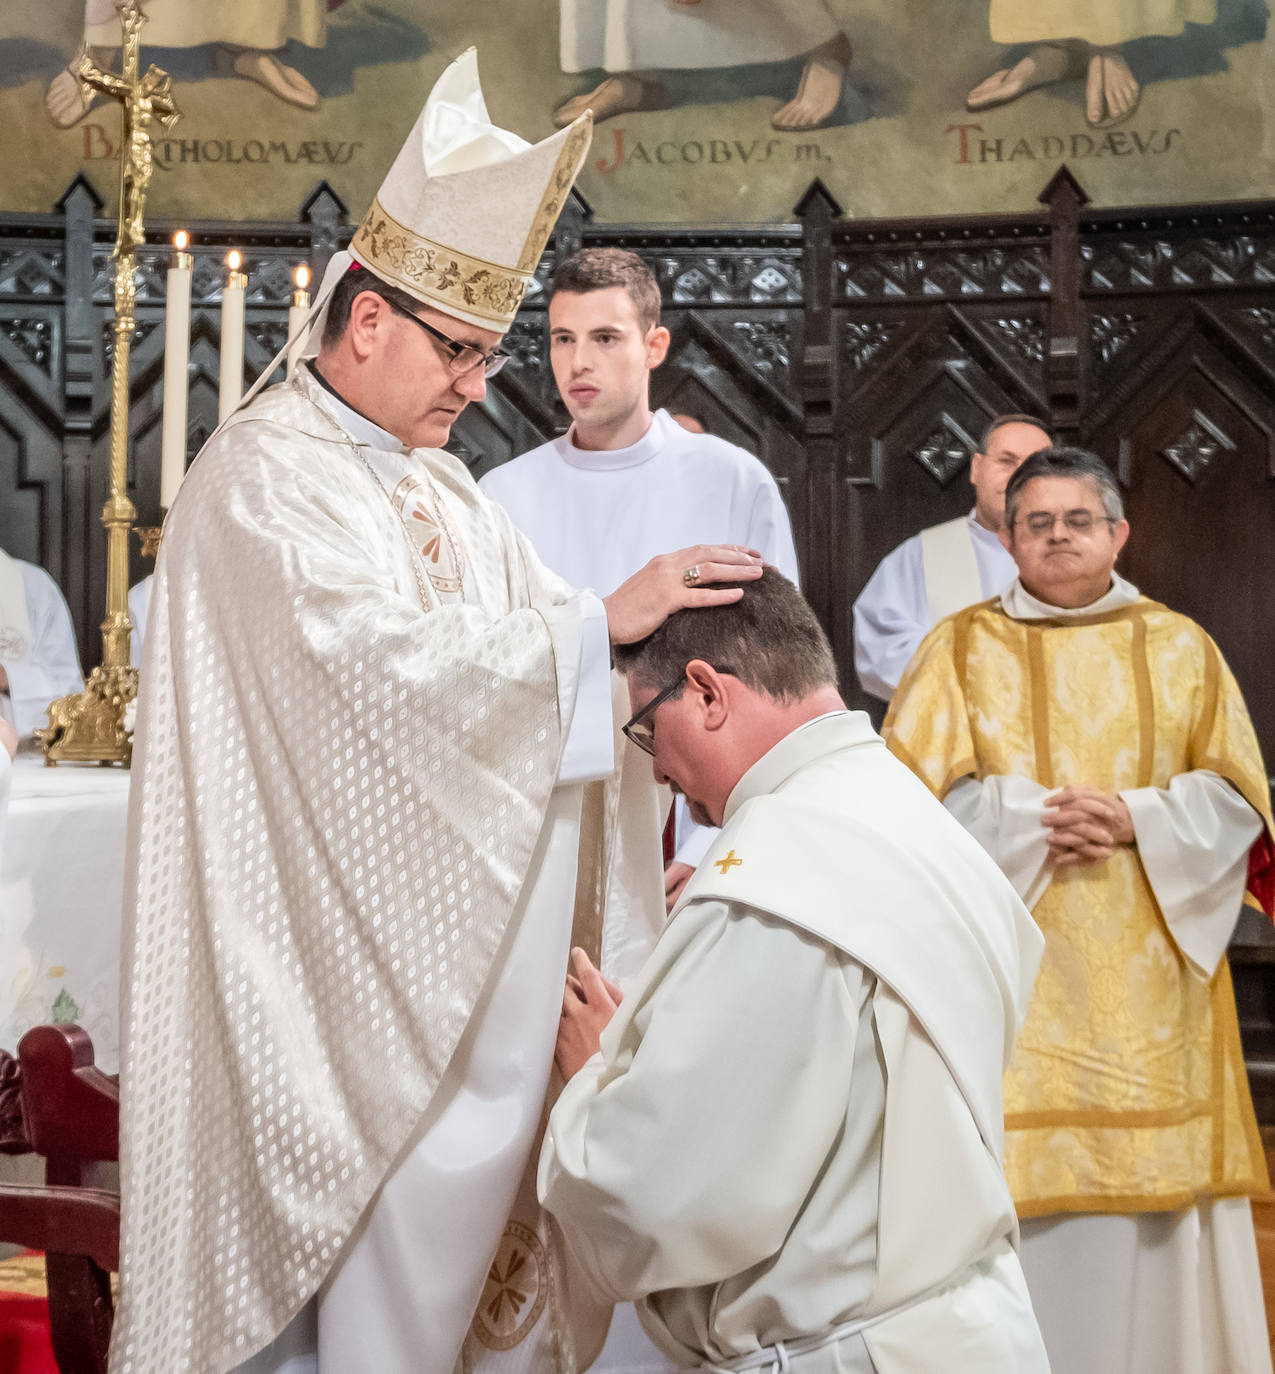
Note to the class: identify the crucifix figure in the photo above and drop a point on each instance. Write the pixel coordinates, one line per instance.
(142, 101)
(90, 726)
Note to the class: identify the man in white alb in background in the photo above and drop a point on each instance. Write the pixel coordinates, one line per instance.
(601, 500)
(944, 568)
(38, 658)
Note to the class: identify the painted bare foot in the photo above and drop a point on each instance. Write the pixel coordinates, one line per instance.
(819, 91)
(622, 94)
(1111, 89)
(67, 100)
(252, 64)
(1044, 65)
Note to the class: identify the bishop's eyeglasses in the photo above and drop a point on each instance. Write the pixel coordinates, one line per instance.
(461, 357)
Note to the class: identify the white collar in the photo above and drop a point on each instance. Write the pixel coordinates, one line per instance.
(612, 459)
(982, 533)
(356, 425)
(1019, 604)
(825, 734)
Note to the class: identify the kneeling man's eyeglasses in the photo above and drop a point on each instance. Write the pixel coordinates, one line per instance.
(640, 728)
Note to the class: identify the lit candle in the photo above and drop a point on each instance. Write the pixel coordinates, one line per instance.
(232, 332)
(297, 313)
(172, 462)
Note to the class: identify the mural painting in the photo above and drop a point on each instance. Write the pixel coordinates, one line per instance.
(708, 111)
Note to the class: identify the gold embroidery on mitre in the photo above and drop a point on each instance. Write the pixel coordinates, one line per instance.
(454, 280)
(516, 1290)
(574, 147)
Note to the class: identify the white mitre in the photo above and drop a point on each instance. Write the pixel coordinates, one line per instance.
(465, 212)
(462, 218)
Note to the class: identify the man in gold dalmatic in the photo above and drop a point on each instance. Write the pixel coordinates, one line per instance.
(1097, 745)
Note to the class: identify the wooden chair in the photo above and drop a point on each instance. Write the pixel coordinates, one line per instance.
(56, 1103)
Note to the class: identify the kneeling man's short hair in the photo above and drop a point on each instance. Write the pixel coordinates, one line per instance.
(769, 639)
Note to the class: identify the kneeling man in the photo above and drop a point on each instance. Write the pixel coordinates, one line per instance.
(785, 1141)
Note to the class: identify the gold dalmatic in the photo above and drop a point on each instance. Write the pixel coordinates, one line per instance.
(1127, 1090)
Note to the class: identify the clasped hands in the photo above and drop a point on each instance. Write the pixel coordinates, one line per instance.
(1086, 826)
(589, 1001)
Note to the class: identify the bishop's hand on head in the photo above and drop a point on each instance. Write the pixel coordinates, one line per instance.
(674, 581)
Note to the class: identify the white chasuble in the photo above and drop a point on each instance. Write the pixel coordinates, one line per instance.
(347, 752)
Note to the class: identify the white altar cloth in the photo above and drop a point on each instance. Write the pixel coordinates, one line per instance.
(61, 891)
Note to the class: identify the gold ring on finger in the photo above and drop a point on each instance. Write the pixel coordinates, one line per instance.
(691, 576)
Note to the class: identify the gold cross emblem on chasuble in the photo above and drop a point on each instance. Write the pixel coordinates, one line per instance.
(725, 865)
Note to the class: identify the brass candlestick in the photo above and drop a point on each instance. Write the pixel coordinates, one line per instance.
(148, 536)
(89, 727)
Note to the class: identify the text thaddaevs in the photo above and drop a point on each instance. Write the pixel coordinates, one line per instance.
(971, 149)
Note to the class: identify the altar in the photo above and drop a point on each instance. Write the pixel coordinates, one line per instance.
(61, 891)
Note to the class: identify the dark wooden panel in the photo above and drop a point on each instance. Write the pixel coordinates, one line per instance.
(1193, 438)
(30, 477)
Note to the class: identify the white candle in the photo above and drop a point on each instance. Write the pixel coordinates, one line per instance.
(297, 313)
(232, 332)
(172, 462)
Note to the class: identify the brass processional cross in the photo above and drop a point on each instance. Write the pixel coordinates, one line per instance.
(89, 727)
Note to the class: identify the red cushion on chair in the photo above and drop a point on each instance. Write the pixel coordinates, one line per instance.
(26, 1346)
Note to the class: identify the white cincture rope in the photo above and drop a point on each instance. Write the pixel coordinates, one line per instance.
(775, 1359)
